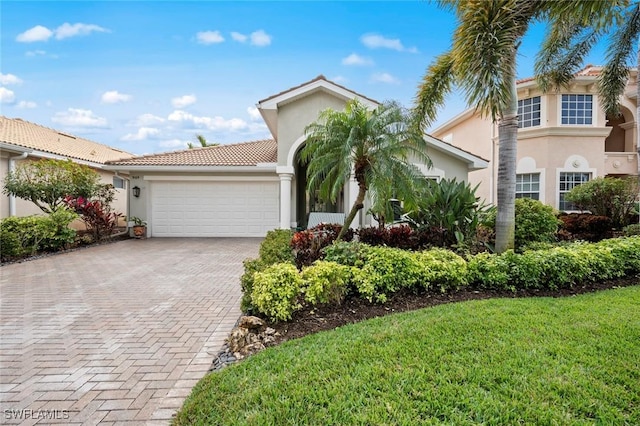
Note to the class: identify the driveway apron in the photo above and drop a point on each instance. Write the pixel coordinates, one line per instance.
(118, 333)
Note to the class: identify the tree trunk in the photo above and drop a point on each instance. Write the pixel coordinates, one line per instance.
(357, 206)
(508, 147)
(638, 119)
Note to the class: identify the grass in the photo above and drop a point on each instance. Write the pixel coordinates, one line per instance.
(503, 361)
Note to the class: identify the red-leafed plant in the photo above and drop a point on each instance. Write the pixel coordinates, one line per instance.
(96, 214)
(307, 245)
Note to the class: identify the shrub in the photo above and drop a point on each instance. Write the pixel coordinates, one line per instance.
(584, 226)
(442, 269)
(372, 235)
(451, 207)
(346, 253)
(96, 214)
(31, 234)
(490, 271)
(325, 282)
(633, 229)
(606, 196)
(307, 245)
(535, 222)
(400, 236)
(274, 249)
(275, 291)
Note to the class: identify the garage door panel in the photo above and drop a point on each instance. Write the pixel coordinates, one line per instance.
(214, 209)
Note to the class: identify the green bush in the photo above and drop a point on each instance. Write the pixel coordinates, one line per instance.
(346, 253)
(31, 234)
(275, 248)
(556, 267)
(606, 196)
(633, 229)
(535, 222)
(325, 282)
(276, 290)
(441, 269)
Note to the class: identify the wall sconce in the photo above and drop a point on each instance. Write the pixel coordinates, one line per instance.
(136, 191)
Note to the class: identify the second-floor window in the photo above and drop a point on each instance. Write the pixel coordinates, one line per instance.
(529, 112)
(577, 109)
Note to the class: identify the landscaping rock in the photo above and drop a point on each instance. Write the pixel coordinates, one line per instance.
(250, 336)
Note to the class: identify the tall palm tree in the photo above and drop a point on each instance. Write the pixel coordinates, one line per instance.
(375, 145)
(482, 62)
(564, 50)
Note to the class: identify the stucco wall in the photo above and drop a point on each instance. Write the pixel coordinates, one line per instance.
(295, 116)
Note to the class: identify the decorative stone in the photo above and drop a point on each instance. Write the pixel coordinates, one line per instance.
(252, 323)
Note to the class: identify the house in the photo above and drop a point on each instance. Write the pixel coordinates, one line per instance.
(247, 189)
(564, 139)
(24, 141)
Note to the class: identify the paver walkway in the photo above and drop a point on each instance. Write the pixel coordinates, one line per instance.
(115, 333)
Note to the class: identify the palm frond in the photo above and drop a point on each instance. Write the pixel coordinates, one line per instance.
(614, 75)
(435, 86)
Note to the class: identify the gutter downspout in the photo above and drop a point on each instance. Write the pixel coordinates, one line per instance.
(12, 168)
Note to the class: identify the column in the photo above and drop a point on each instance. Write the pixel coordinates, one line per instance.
(285, 200)
(353, 194)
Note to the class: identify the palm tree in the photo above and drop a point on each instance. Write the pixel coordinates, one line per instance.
(565, 48)
(375, 145)
(482, 62)
(203, 142)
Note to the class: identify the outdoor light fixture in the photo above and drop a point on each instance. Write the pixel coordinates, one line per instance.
(136, 191)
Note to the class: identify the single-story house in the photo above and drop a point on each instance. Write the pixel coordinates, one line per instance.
(21, 141)
(247, 189)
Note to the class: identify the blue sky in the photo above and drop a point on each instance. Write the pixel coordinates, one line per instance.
(148, 76)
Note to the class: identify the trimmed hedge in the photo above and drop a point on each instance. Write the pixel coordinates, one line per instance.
(374, 273)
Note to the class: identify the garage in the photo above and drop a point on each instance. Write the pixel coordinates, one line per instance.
(214, 208)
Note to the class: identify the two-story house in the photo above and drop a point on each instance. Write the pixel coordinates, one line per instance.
(564, 139)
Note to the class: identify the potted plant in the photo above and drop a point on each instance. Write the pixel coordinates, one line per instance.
(139, 227)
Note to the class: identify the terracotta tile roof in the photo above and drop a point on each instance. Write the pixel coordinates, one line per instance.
(320, 77)
(588, 71)
(239, 154)
(15, 131)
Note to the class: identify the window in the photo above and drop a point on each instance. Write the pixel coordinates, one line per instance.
(569, 180)
(577, 109)
(529, 112)
(528, 186)
(119, 183)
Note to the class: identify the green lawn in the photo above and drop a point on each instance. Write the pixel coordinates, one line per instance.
(536, 361)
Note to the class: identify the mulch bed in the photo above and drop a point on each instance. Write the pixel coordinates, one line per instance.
(313, 320)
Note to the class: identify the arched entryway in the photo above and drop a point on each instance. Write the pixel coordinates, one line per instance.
(621, 137)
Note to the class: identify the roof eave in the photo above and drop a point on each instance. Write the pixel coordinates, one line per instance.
(261, 168)
(473, 161)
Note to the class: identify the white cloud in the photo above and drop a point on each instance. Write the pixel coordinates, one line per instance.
(239, 37)
(8, 79)
(37, 33)
(384, 77)
(76, 117)
(211, 123)
(209, 37)
(27, 105)
(143, 133)
(115, 97)
(254, 113)
(183, 101)
(355, 59)
(376, 41)
(174, 143)
(260, 38)
(35, 53)
(146, 120)
(7, 96)
(67, 30)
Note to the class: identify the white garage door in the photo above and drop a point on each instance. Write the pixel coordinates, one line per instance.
(214, 209)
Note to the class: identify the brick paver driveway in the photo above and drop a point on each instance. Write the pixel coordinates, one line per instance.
(115, 333)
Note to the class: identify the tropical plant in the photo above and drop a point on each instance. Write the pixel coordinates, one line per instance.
(202, 141)
(47, 182)
(376, 145)
(606, 196)
(450, 206)
(97, 214)
(482, 62)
